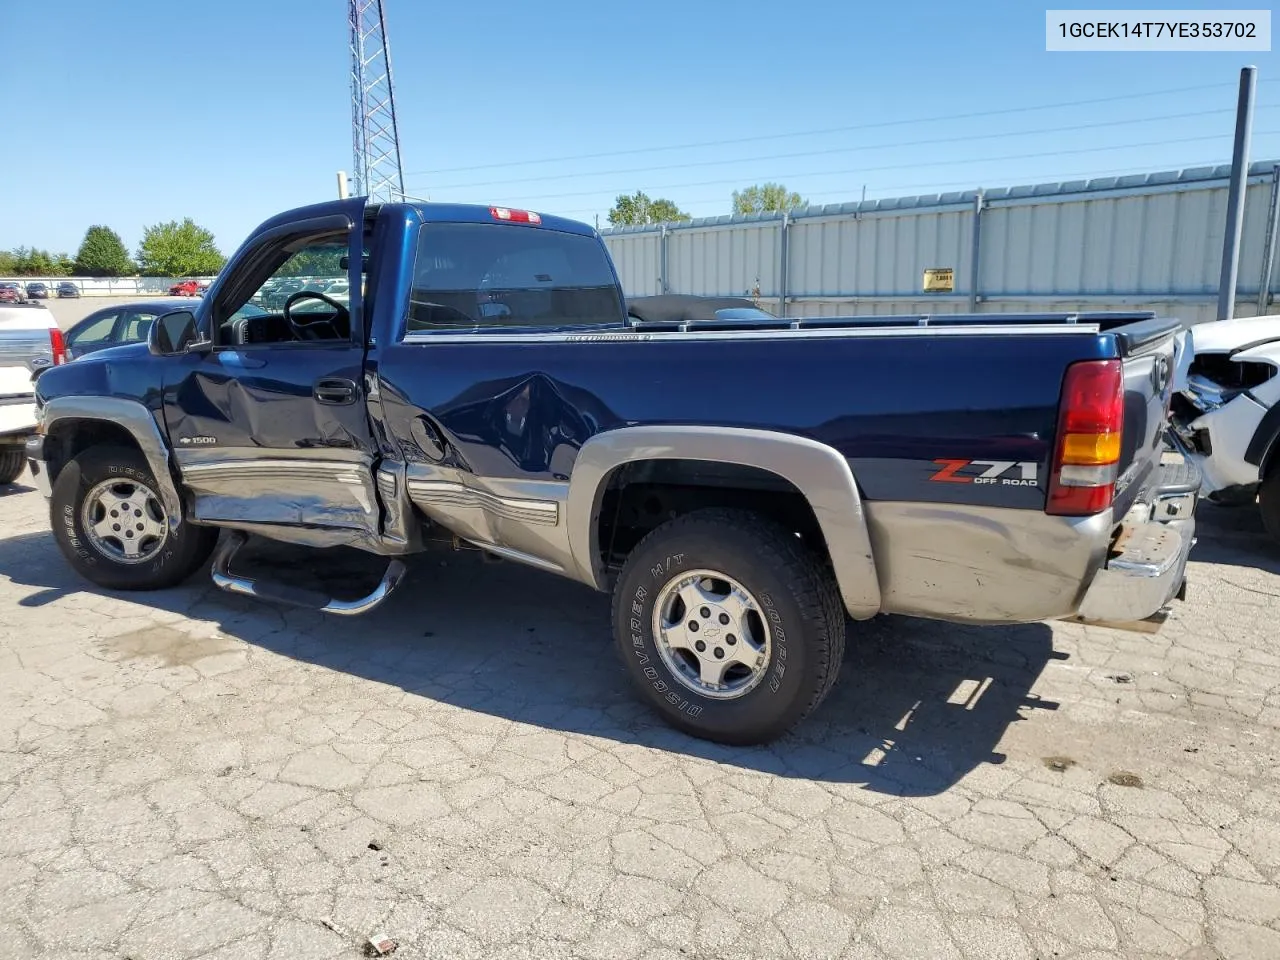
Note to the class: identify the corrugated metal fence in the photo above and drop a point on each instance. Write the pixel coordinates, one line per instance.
(1150, 241)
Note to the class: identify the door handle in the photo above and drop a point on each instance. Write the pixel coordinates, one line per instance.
(335, 390)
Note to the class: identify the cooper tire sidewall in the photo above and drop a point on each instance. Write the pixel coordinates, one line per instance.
(775, 702)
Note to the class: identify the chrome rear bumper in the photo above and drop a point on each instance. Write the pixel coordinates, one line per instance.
(1145, 568)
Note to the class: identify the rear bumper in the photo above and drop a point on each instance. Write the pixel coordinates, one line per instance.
(1145, 568)
(17, 420)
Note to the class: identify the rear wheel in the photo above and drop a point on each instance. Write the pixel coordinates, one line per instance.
(731, 629)
(110, 523)
(1269, 501)
(12, 463)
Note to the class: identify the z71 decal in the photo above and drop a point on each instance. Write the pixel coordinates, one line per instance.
(992, 471)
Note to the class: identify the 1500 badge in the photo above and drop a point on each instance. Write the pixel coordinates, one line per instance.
(1017, 473)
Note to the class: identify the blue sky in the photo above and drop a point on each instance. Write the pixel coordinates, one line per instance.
(233, 111)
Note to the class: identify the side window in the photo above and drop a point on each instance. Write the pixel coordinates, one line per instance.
(134, 326)
(472, 277)
(97, 330)
(301, 264)
(315, 267)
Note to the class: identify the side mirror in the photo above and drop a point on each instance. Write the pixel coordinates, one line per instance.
(172, 333)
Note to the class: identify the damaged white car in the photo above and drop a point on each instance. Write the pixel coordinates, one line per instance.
(30, 341)
(1226, 411)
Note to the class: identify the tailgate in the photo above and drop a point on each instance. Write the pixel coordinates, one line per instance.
(1148, 349)
(15, 381)
(24, 348)
(17, 401)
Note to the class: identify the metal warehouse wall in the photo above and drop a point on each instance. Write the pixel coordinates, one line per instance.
(1152, 241)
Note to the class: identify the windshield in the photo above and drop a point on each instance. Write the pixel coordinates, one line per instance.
(478, 276)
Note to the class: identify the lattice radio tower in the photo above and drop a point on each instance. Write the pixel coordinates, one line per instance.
(375, 139)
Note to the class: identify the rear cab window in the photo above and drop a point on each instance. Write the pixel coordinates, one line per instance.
(500, 278)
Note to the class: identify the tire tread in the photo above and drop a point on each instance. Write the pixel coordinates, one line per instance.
(194, 545)
(1269, 503)
(12, 463)
(810, 582)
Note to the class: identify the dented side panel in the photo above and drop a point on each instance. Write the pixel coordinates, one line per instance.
(253, 445)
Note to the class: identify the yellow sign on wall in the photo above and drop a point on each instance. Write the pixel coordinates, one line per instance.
(939, 279)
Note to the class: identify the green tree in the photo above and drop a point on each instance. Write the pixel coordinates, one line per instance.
(102, 254)
(637, 208)
(34, 262)
(315, 261)
(6, 263)
(176, 249)
(765, 198)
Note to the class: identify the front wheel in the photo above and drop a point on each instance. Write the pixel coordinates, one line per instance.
(731, 629)
(110, 524)
(12, 463)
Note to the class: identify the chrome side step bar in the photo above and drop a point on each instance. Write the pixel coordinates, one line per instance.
(224, 579)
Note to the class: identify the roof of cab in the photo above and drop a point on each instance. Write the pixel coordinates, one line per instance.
(477, 213)
(428, 212)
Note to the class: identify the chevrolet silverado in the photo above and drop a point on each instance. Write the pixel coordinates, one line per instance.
(745, 486)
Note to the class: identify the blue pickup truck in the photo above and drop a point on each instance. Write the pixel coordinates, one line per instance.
(745, 486)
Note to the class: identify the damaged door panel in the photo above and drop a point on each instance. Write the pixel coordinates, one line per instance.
(269, 425)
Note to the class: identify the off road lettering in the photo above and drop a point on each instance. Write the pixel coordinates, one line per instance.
(1009, 473)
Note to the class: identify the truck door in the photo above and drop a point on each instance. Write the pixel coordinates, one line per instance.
(268, 422)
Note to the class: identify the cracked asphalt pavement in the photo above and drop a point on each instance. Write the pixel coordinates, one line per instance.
(189, 774)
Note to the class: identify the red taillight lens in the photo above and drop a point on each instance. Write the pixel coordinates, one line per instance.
(1086, 458)
(58, 345)
(514, 216)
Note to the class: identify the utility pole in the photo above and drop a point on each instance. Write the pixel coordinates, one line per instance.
(1235, 195)
(375, 139)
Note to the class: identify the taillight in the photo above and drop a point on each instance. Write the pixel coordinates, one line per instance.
(58, 345)
(514, 216)
(1086, 460)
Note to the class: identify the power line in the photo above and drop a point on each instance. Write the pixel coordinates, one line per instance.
(896, 166)
(934, 141)
(1007, 111)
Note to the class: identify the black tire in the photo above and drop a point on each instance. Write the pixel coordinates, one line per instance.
(806, 619)
(1269, 502)
(12, 463)
(180, 554)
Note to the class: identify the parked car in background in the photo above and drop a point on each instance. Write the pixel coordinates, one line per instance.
(125, 323)
(67, 289)
(184, 288)
(338, 289)
(30, 342)
(1225, 415)
(37, 291)
(11, 292)
(282, 291)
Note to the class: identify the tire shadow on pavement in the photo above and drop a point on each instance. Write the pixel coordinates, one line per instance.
(13, 489)
(919, 703)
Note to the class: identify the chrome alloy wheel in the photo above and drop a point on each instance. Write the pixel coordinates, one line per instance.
(124, 520)
(712, 634)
